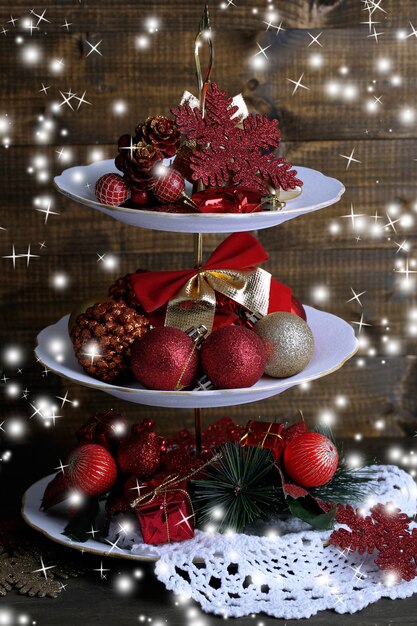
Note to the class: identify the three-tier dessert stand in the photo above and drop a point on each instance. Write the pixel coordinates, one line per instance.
(335, 341)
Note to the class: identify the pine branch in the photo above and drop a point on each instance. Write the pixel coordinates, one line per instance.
(237, 489)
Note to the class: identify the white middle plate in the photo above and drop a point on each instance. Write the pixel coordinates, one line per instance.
(335, 343)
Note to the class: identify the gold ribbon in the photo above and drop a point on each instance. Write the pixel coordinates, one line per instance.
(195, 303)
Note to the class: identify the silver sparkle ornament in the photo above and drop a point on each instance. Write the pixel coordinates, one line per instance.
(288, 341)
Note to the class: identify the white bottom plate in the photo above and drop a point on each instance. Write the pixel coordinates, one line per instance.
(335, 343)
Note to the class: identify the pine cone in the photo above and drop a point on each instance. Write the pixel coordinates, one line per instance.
(122, 291)
(103, 337)
(136, 159)
(161, 132)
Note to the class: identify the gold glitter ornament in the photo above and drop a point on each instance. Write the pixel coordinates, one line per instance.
(288, 341)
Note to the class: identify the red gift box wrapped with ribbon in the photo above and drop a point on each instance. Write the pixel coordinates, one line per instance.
(266, 435)
(165, 513)
(186, 298)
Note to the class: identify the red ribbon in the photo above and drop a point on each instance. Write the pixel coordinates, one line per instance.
(229, 199)
(237, 252)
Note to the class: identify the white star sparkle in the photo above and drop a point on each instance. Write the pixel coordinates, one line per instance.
(94, 48)
(297, 84)
(315, 40)
(356, 296)
(262, 50)
(350, 158)
(43, 569)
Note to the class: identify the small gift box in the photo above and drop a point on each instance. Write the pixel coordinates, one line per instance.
(266, 435)
(166, 513)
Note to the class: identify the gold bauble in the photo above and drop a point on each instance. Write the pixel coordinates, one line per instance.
(288, 341)
(83, 306)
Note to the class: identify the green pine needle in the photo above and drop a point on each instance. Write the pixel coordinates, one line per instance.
(237, 490)
(348, 485)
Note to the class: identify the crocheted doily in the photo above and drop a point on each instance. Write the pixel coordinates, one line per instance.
(281, 569)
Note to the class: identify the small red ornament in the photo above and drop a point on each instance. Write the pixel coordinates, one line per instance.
(165, 358)
(169, 187)
(91, 470)
(233, 357)
(310, 459)
(141, 197)
(297, 308)
(140, 454)
(106, 429)
(112, 189)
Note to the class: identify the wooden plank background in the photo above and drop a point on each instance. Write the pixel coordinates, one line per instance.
(373, 392)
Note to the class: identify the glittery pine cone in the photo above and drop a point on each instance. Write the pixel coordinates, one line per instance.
(136, 159)
(122, 290)
(161, 132)
(103, 337)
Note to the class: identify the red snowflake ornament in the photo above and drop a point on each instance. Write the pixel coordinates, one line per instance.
(227, 153)
(385, 530)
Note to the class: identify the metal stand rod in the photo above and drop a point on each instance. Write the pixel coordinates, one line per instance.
(197, 426)
(198, 262)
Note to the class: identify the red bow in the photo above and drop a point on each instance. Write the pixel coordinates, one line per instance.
(239, 252)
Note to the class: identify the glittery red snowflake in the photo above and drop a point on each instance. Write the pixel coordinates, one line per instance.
(230, 153)
(384, 530)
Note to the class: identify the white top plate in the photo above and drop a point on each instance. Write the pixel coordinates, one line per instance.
(335, 342)
(319, 191)
(52, 524)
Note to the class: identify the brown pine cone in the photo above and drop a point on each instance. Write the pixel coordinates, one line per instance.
(159, 131)
(136, 159)
(121, 290)
(103, 337)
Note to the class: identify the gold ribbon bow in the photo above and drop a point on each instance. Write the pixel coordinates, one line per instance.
(195, 303)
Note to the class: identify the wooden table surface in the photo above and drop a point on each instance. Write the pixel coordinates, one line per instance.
(91, 601)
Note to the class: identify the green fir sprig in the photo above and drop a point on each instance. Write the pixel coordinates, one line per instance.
(238, 488)
(348, 485)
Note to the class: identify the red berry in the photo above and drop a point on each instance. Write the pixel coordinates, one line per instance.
(91, 470)
(310, 459)
(169, 187)
(112, 189)
(140, 197)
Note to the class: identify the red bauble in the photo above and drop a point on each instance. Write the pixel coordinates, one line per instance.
(297, 308)
(310, 459)
(91, 470)
(141, 453)
(169, 187)
(165, 358)
(140, 197)
(233, 357)
(112, 189)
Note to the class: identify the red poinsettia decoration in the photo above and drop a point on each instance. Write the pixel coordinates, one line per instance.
(230, 154)
(385, 530)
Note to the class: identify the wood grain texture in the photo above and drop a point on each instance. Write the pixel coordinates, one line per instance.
(316, 128)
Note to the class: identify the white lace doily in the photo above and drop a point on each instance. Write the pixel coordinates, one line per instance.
(285, 573)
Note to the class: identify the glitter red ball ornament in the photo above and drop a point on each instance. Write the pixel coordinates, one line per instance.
(112, 189)
(310, 459)
(166, 359)
(169, 187)
(140, 454)
(233, 357)
(91, 470)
